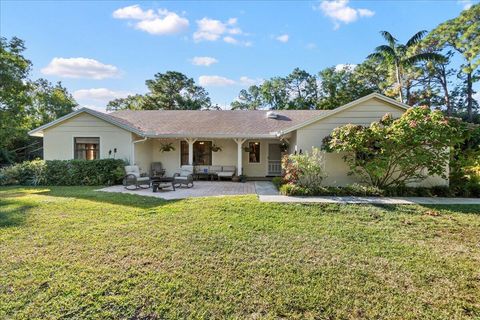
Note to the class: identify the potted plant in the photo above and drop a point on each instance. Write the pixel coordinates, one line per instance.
(166, 147)
(242, 178)
(284, 146)
(246, 149)
(235, 179)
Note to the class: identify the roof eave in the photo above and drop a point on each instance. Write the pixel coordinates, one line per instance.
(38, 132)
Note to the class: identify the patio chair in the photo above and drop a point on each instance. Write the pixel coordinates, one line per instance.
(133, 180)
(156, 169)
(184, 177)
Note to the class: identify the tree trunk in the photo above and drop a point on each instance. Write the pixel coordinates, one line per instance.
(446, 94)
(399, 81)
(469, 97)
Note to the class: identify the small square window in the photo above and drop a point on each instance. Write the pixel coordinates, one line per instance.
(87, 148)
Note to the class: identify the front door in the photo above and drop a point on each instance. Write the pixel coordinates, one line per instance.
(274, 159)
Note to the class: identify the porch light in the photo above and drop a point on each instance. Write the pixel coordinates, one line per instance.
(201, 142)
(256, 143)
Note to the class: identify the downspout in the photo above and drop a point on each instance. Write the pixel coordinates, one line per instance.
(133, 148)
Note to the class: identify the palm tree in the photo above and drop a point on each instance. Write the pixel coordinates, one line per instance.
(399, 57)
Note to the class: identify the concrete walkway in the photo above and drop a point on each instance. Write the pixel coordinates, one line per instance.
(368, 200)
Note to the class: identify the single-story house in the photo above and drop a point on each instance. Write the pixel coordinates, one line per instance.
(249, 140)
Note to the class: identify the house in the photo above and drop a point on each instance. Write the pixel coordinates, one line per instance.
(250, 140)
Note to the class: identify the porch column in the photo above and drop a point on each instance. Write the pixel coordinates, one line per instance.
(239, 142)
(190, 142)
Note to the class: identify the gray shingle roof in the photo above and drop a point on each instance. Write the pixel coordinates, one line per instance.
(239, 123)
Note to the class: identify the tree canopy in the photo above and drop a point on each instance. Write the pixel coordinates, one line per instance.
(171, 90)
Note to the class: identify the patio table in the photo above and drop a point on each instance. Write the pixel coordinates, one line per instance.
(162, 182)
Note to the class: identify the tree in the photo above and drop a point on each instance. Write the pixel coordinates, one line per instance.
(49, 102)
(341, 86)
(135, 102)
(302, 90)
(25, 104)
(399, 56)
(463, 35)
(14, 88)
(392, 153)
(175, 91)
(250, 99)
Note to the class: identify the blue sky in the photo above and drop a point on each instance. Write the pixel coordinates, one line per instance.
(107, 49)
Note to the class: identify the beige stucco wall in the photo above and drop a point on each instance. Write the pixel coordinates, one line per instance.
(362, 114)
(58, 140)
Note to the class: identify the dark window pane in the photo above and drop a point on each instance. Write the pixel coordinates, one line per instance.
(183, 153)
(254, 152)
(87, 148)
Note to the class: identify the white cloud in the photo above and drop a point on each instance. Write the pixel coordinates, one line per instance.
(345, 66)
(249, 81)
(80, 68)
(161, 22)
(213, 30)
(340, 12)
(311, 45)
(169, 24)
(219, 81)
(209, 29)
(283, 38)
(101, 94)
(365, 13)
(204, 61)
(232, 40)
(467, 4)
(133, 12)
(215, 81)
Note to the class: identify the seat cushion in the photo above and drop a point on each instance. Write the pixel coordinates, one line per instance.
(142, 179)
(215, 169)
(228, 168)
(181, 178)
(226, 174)
(202, 169)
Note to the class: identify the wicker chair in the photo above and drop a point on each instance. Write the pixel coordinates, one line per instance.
(184, 177)
(133, 180)
(156, 169)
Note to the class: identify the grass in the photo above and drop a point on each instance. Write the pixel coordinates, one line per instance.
(70, 252)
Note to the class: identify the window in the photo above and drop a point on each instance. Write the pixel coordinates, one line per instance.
(183, 153)
(254, 152)
(87, 148)
(202, 153)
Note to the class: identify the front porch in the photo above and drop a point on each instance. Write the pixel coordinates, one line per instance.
(255, 158)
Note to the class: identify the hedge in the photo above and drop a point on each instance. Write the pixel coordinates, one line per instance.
(64, 172)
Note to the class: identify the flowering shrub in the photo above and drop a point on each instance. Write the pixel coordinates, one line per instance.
(304, 170)
(392, 153)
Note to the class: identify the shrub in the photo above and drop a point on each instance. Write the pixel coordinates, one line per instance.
(304, 170)
(350, 190)
(277, 182)
(30, 173)
(392, 153)
(64, 172)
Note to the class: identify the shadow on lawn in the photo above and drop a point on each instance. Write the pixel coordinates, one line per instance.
(87, 193)
(90, 193)
(13, 213)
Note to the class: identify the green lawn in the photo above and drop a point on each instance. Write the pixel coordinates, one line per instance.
(70, 252)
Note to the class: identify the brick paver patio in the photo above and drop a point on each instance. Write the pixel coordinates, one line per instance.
(200, 189)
